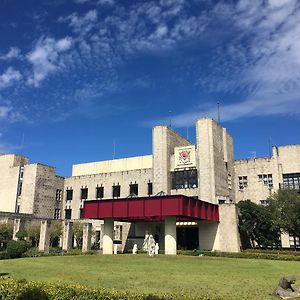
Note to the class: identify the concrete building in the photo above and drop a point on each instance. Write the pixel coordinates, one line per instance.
(257, 178)
(29, 188)
(176, 167)
(126, 197)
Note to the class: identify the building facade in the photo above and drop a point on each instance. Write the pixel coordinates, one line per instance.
(205, 170)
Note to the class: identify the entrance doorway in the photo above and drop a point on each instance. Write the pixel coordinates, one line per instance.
(187, 238)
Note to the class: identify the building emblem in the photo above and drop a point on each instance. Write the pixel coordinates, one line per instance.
(184, 156)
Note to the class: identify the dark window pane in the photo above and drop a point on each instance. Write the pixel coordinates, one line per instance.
(184, 179)
(68, 213)
(81, 213)
(150, 188)
(100, 192)
(69, 194)
(134, 189)
(116, 191)
(84, 193)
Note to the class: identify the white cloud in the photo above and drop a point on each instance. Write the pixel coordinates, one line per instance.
(46, 58)
(4, 112)
(106, 2)
(9, 77)
(81, 25)
(13, 52)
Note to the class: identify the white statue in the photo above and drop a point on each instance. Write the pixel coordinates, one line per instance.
(149, 244)
(156, 248)
(134, 249)
(115, 249)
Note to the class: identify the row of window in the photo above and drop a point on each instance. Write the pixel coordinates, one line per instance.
(186, 179)
(265, 179)
(116, 191)
(291, 181)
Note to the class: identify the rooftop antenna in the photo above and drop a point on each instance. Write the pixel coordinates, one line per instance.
(23, 141)
(170, 125)
(270, 147)
(114, 149)
(218, 112)
(187, 132)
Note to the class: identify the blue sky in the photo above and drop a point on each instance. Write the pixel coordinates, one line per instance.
(78, 76)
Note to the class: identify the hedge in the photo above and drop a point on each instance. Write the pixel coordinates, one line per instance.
(11, 289)
(250, 255)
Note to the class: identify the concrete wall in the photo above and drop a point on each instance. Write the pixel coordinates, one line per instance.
(214, 161)
(164, 140)
(9, 177)
(107, 180)
(112, 166)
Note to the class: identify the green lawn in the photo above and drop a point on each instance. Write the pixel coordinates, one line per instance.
(241, 278)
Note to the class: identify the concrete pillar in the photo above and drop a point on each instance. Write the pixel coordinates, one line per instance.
(86, 238)
(170, 236)
(44, 236)
(18, 225)
(208, 235)
(67, 236)
(108, 236)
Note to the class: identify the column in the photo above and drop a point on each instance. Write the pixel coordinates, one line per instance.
(170, 236)
(44, 236)
(86, 238)
(67, 236)
(108, 236)
(18, 225)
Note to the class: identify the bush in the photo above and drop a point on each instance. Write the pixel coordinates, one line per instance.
(273, 255)
(15, 249)
(33, 293)
(11, 289)
(22, 234)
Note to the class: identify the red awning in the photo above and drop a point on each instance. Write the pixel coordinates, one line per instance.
(155, 208)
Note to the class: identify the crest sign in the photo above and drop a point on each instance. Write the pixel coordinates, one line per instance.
(185, 157)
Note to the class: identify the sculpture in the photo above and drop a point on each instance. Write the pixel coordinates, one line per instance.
(285, 289)
(149, 244)
(134, 249)
(156, 248)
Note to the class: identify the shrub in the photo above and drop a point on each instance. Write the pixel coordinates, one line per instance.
(33, 293)
(22, 234)
(15, 249)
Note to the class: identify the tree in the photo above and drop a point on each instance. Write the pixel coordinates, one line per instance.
(33, 229)
(78, 233)
(6, 233)
(257, 225)
(56, 230)
(285, 207)
(22, 234)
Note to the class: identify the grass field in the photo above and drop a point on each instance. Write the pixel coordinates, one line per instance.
(241, 278)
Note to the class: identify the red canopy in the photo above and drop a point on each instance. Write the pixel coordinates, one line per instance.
(155, 208)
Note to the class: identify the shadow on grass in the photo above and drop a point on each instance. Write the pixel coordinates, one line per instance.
(3, 274)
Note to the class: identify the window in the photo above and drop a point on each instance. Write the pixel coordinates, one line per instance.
(134, 189)
(69, 194)
(150, 188)
(19, 192)
(58, 195)
(291, 181)
(99, 192)
(84, 193)
(266, 179)
(229, 181)
(116, 191)
(243, 182)
(184, 179)
(57, 213)
(68, 213)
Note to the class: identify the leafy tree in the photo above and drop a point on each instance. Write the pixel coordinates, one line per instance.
(6, 233)
(285, 207)
(33, 229)
(257, 225)
(56, 230)
(78, 233)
